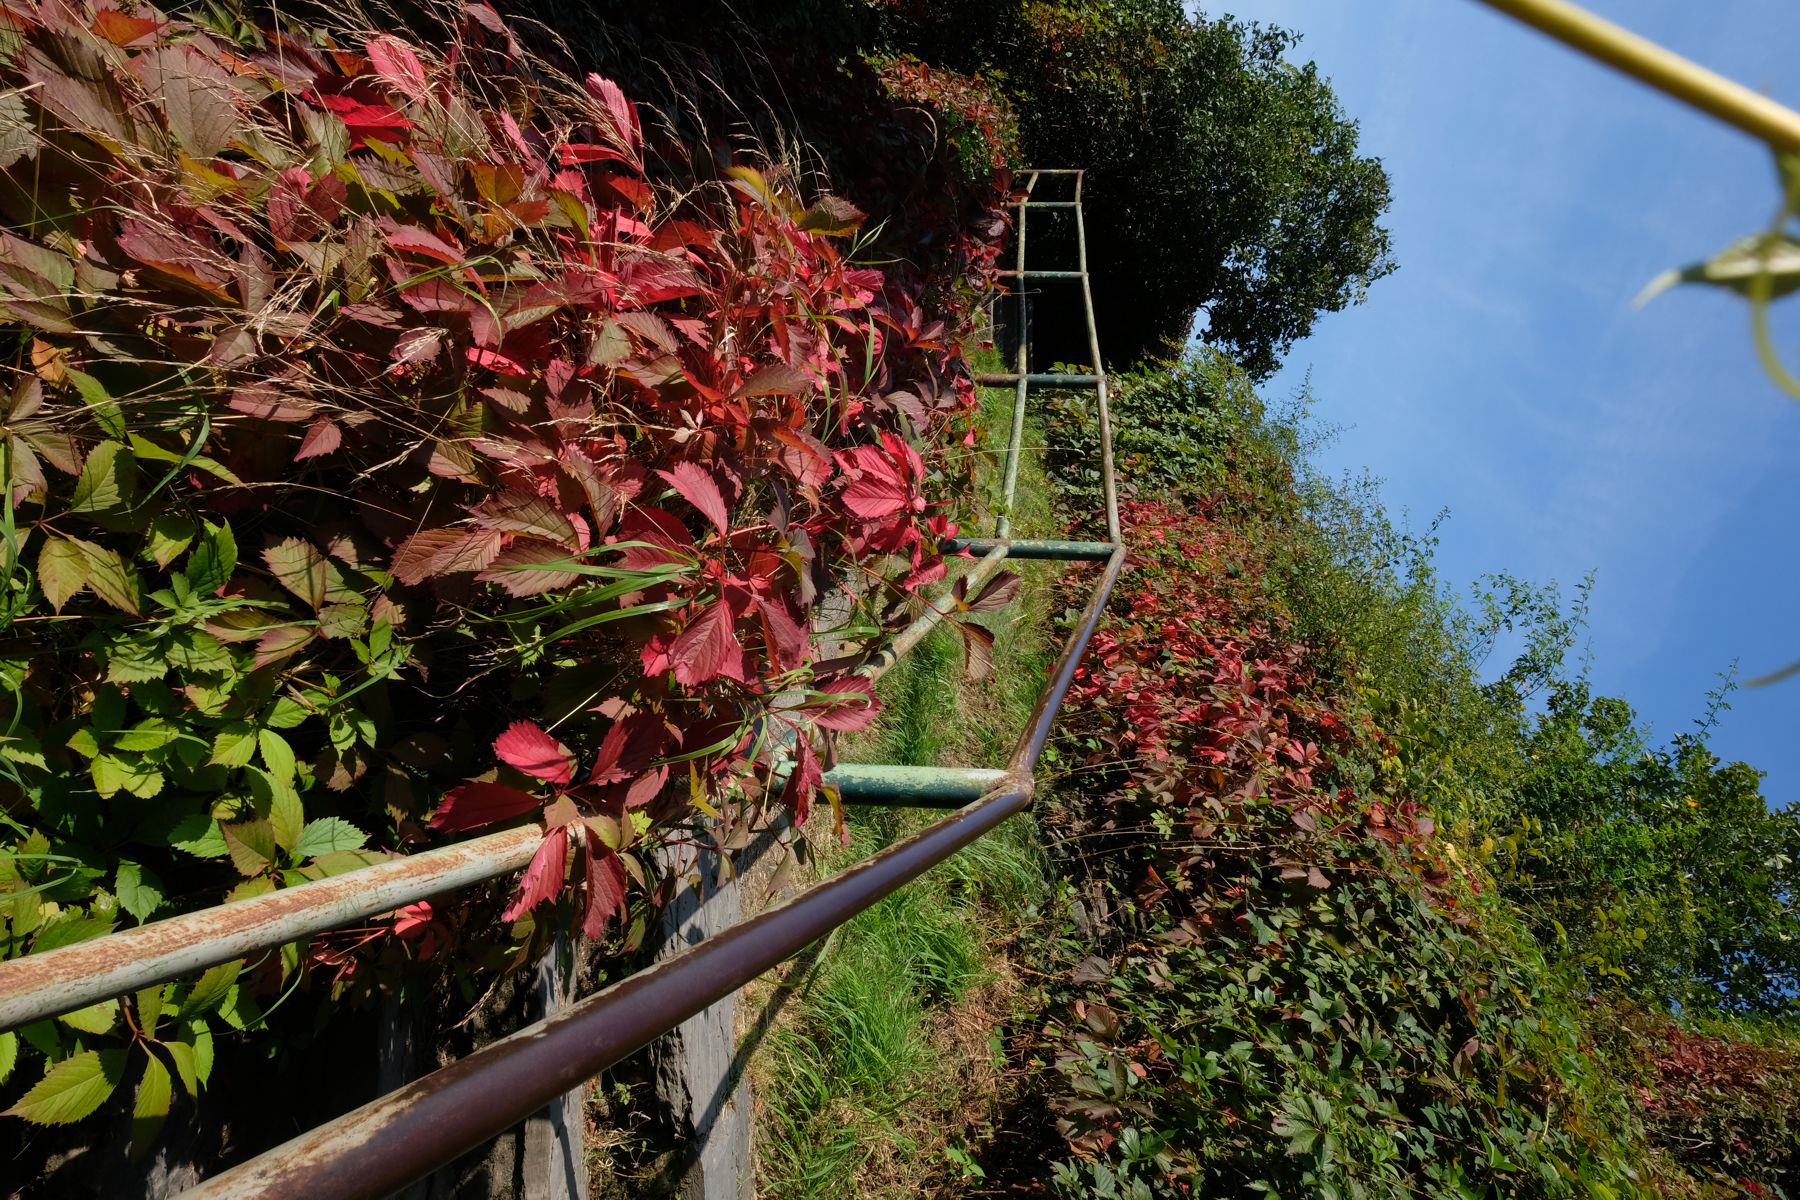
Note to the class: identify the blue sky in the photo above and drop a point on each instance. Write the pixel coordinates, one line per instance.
(1502, 372)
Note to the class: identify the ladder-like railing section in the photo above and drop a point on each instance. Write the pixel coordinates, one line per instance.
(408, 1133)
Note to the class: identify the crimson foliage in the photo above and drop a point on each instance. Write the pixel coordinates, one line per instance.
(373, 404)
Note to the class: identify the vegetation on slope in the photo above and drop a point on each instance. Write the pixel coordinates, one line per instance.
(1306, 985)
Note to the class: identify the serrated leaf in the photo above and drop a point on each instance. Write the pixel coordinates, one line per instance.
(151, 734)
(200, 653)
(9, 1054)
(72, 1089)
(61, 571)
(169, 536)
(149, 1004)
(108, 480)
(328, 835)
(210, 988)
(136, 660)
(154, 1091)
(251, 845)
(697, 486)
(278, 799)
(105, 408)
(201, 1039)
(95, 1018)
(182, 1055)
(139, 890)
(112, 775)
(235, 745)
(200, 836)
(277, 755)
(210, 566)
(68, 929)
(108, 577)
(300, 568)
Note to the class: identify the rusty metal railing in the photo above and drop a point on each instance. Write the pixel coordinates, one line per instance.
(408, 1133)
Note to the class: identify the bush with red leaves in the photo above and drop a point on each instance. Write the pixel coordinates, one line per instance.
(383, 439)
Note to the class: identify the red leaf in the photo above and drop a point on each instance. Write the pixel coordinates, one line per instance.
(707, 649)
(619, 113)
(420, 241)
(377, 119)
(398, 66)
(876, 488)
(472, 805)
(802, 782)
(530, 566)
(664, 534)
(544, 877)
(784, 636)
(324, 437)
(699, 489)
(535, 752)
(122, 30)
(853, 706)
(444, 552)
(628, 748)
(605, 887)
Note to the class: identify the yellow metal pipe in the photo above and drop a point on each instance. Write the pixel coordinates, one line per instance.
(1664, 70)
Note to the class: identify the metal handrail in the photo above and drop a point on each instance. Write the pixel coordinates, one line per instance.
(406, 1134)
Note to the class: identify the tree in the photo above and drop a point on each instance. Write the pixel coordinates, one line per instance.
(1223, 179)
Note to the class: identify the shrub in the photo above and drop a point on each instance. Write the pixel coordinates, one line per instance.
(370, 407)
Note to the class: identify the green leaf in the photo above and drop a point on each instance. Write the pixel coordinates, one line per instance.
(280, 803)
(68, 929)
(144, 448)
(108, 576)
(277, 755)
(200, 836)
(95, 1018)
(200, 653)
(139, 890)
(251, 845)
(286, 713)
(72, 1089)
(328, 834)
(169, 536)
(299, 568)
(1736, 266)
(209, 568)
(183, 1056)
(112, 775)
(235, 746)
(154, 1092)
(108, 480)
(62, 571)
(151, 734)
(106, 410)
(210, 988)
(150, 1003)
(203, 1048)
(9, 1054)
(136, 660)
(342, 862)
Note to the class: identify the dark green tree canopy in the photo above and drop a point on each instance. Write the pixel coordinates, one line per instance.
(1230, 179)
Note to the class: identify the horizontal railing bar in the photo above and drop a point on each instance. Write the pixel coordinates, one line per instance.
(1035, 548)
(1036, 379)
(403, 1136)
(44, 985)
(1041, 274)
(59, 981)
(1049, 204)
(912, 787)
(1053, 170)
